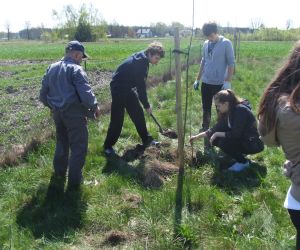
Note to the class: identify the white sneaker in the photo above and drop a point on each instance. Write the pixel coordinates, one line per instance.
(239, 166)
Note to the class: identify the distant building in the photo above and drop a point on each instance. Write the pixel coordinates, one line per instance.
(144, 33)
(185, 32)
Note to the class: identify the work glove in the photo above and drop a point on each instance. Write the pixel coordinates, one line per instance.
(196, 85)
(226, 85)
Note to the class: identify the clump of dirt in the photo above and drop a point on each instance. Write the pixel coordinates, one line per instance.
(10, 90)
(156, 172)
(170, 133)
(6, 74)
(18, 151)
(132, 154)
(133, 199)
(115, 238)
(152, 179)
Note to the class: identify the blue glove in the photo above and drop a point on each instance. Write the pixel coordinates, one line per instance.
(196, 85)
(226, 85)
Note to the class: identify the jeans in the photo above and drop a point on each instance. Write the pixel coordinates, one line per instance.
(71, 145)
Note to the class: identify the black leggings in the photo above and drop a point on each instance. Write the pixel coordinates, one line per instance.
(295, 217)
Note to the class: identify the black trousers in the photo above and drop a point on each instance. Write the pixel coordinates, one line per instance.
(71, 135)
(130, 102)
(207, 93)
(295, 218)
(236, 149)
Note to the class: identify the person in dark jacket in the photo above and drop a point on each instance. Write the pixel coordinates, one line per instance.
(66, 91)
(128, 87)
(236, 130)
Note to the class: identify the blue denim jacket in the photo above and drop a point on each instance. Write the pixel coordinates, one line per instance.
(65, 86)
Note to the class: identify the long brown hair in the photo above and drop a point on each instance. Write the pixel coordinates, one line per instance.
(227, 96)
(286, 81)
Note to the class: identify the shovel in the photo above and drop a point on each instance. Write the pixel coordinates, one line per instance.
(166, 132)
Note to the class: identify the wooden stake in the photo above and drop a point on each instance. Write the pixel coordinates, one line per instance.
(178, 100)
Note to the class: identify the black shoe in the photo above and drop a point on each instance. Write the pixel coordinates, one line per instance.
(109, 151)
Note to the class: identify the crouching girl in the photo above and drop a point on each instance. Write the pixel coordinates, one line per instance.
(236, 130)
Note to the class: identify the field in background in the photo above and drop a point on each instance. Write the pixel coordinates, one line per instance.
(119, 207)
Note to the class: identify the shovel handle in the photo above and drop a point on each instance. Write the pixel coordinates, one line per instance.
(157, 123)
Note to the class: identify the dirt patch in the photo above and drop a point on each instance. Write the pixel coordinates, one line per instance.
(156, 172)
(134, 200)
(16, 152)
(10, 90)
(6, 74)
(24, 62)
(115, 238)
(99, 78)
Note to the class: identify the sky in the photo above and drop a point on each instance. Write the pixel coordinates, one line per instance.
(237, 13)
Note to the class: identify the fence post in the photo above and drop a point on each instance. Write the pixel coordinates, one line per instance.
(178, 98)
(170, 61)
(179, 191)
(234, 43)
(238, 50)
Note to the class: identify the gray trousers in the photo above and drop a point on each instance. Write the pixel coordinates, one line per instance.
(71, 135)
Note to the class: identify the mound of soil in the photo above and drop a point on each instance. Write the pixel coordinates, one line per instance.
(156, 172)
(115, 238)
(133, 199)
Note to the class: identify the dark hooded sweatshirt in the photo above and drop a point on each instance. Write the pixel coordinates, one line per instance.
(132, 73)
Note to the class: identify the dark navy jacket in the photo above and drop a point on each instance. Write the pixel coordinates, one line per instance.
(242, 124)
(65, 85)
(132, 73)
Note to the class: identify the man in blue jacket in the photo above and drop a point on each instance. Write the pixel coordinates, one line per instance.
(216, 70)
(66, 91)
(128, 87)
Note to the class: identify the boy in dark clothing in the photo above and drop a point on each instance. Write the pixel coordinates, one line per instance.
(128, 87)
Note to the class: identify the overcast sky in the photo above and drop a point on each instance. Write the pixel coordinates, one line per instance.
(273, 13)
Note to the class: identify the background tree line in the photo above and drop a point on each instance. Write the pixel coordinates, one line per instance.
(86, 24)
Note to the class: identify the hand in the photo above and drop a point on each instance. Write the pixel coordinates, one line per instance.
(149, 110)
(196, 85)
(287, 168)
(97, 112)
(193, 138)
(287, 164)
(226, 85)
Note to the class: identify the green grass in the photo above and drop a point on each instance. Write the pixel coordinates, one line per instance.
(220, 210)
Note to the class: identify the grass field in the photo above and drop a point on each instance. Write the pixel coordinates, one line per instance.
(118, 207)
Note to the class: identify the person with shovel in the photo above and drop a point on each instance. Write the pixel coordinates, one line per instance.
(128, 87)
(216, 70)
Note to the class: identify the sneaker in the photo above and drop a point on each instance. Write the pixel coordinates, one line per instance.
(151, 143)
(239, 166)
(109, 151)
